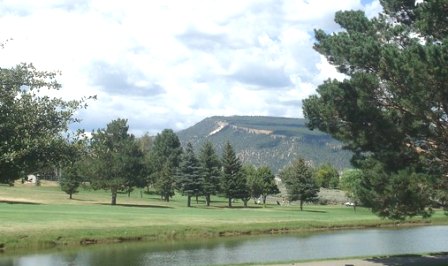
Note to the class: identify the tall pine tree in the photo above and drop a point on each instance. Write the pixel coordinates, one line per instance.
(234, 184)
(391, 110)
(210, 171)
(189, 180)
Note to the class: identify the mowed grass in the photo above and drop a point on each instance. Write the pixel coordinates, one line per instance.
(38, 217)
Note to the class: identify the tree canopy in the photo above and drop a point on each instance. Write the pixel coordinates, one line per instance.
(299, 182)
(233, 182)
(165, 157)
(210, 170)
(189, 180)
(392, 108)
(32, 123)
(116, 160)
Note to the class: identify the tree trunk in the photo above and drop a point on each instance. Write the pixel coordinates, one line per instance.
(230, 202)
(301, 205)
(167, 198)
(189, 201)
(197, 199)
(207, 199)
(264, 200)
(70, 195)
(245, 202)
(114, 197)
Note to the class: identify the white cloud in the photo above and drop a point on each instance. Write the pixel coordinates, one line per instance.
(169, 64)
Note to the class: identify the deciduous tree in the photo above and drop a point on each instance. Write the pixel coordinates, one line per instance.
(33, 124)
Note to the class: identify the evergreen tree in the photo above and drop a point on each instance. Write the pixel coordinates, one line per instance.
(210, 170)
(164, 159)
(71, 179)
(299, 182)
(189, 180)
(392, 108)
(117, 162)
(233, 183)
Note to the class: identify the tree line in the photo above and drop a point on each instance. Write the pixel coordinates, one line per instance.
(115, 160)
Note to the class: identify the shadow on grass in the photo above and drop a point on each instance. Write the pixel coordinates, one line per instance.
(239, 207)
(74, 199)
(412, 259)
(313, 211)
(137, 205)
(20, 202)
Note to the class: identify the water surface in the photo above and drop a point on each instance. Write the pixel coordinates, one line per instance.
(254, 249)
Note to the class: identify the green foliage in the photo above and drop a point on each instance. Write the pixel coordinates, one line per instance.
(392, 107)
(32, 124)
(189, 180)
(254, 183)
(164, 159)
(71, 179)
(261, 182)
(233, 182)
(116, 160)
(299, 182)
(210, 170)
(276, 144)
(327, 176)
(396, 195)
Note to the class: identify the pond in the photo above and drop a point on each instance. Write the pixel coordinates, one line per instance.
(253, 249)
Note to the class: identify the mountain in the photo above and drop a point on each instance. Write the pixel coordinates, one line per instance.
(271, 141)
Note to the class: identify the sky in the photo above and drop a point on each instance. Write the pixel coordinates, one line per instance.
(171, 63)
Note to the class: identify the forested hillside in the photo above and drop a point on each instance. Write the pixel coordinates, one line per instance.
(271, 141)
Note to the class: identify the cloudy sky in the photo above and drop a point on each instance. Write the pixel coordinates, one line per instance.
(171, 63)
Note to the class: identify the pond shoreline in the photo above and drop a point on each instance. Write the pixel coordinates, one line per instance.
(61, 243)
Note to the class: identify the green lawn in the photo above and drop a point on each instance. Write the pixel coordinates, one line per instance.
(37, 217)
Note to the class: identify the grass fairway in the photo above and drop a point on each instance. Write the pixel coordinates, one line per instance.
(38, 217)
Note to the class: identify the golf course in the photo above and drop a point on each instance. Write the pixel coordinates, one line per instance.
(39, 217)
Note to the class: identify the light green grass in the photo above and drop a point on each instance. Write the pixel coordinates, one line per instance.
(53, 219)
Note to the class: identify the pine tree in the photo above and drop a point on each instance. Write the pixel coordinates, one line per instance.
(189, 180)
(299, 182)
(164, 161)
(210, 170)
(234, 184)
(391, 110)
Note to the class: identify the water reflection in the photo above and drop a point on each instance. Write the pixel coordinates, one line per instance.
(258, 249)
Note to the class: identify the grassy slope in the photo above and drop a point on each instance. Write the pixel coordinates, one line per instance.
(56, 220)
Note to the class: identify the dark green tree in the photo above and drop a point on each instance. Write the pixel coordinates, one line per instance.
(164, 159)
(189, 180)
(327, 176)
(33, 125)
(299, 182)
(210, 170)
(233, 182)
(116, 160)
(70, 179)
(392, 107)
